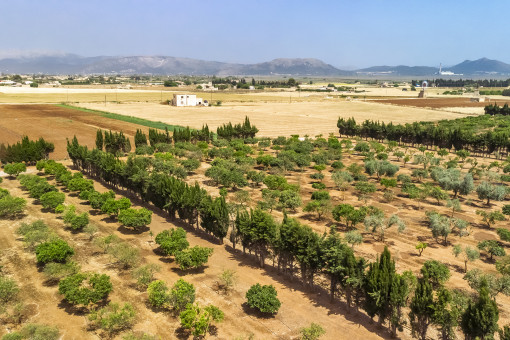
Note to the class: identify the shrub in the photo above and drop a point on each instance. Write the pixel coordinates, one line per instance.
(319, 186)
(113, 317)
(172, 241)
(227, 280)
(35, 233)
(112, 207)
(138, 336)
(14, 169)
(157, 292)
(195, 257)
(52, 199)
(82, 289)
(504, 234)
(56, 271)
(181, 295)
(198, 320)
(144, 275)
(135, 218)
(8, 289)
(437, 272)
(73, 220)
(320, 195)
(126, 255)
(11, 207)
(53, 251)
(263, 298)
(34, 332)
(314, 332)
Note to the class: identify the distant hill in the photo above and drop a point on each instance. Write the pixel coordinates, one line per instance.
(481, 66)
(165, 65)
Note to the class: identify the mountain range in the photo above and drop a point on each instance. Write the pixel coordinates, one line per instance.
(164, 65)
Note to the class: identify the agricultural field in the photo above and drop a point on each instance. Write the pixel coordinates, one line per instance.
(278, 119)
(277, 211)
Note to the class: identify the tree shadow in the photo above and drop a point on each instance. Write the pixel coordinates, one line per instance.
(182, 333)
(256, 313)
(71, 309)
(132, 231)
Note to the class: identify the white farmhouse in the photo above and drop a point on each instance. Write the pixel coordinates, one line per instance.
(188, 100)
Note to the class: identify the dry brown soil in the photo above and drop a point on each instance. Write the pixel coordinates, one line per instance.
(56, 124)
(437, 103)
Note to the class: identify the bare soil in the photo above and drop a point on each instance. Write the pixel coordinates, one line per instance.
(56, 124)
(437, 103)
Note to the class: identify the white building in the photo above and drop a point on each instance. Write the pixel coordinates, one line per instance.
(188, 100)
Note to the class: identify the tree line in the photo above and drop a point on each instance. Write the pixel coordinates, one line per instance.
(26, 150)
(482, 135)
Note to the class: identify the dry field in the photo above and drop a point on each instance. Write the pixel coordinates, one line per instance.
(56, 124)
(278, 119)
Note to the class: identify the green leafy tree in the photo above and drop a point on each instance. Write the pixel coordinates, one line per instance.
(52, 199)
(376, 223)
(353, 237)
(84, 289)
(99, 139)
(258, 232)
(490, 192)
(363, 189)
(112, 207)
(181, 295)
(158, 294)
(469, 254)
(135, 218)
(193, 258)
(198, 319)
(172, 241)
(495, 283)
(504, 234)
(490, 217)
(263, 298)
(53, 251)
(421, 246)
(385, 291)
(11, 207)
(492, 247)
(448, 309)
(436, 272)
(14, 169)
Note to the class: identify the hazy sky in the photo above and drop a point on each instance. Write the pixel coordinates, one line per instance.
(343, 33)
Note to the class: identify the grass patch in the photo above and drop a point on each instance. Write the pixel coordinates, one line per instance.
(129, 119)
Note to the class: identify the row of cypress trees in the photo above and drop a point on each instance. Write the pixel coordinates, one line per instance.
(459, 136)
(26, 150)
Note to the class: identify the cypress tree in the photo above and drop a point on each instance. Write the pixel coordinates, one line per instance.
(481, 318)
(421, 308)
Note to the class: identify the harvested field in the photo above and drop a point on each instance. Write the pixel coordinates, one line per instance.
(438, 103)
(56, 124)
(277, 119)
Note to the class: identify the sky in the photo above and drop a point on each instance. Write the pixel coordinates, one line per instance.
(355, 33)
